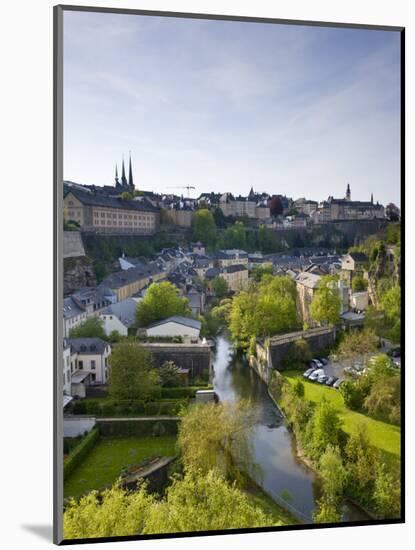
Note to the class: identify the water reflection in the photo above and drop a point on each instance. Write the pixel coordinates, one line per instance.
(280, 472)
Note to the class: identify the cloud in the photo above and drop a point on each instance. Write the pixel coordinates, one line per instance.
(224, 105)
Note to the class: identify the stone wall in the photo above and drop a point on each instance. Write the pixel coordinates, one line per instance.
(271, 352)
(73, 247)
(195, 357)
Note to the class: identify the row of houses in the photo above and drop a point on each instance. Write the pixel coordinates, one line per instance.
(86, 361)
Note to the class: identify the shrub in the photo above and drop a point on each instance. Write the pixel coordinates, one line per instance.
(138, 407)
(79, 407)
(152, 408)
(79, 453)
(108, 408)
(92, 407)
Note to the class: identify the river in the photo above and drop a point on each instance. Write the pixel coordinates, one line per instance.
(281, 473)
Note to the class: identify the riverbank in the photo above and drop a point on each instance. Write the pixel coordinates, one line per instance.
(260, 498)
(336, 401)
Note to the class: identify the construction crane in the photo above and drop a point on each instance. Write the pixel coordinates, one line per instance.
(188, 187)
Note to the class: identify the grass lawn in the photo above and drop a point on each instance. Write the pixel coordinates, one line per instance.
(104, 463)
(384, 436)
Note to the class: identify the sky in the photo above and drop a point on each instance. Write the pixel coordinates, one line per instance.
(223, 106)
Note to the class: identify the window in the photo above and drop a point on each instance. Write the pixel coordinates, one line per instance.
(93, 377)
(80, 365)
(92, 364)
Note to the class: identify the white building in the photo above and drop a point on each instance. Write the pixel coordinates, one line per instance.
(119, 316)
(89, 356)
(175, 326)
(73, 315)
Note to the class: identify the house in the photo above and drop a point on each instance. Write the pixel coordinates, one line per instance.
(236, 276)
(175, 326)
(196, 302)
(198, 248)
(353, 264)
(201, 265)
(119, 316)
(306, 284)
(359, 301)
(128, 282)
(102, 213)
(89, 356)
(225, 258)
(73, 315)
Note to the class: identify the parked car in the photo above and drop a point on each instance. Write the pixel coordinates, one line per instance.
(323, 360)
(313, 363)
(318, 362)
(338, 383)
(314, 375)
(307, 373)
(322, 379)
(330, 381)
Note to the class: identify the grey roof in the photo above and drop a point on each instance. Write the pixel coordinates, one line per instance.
(71, 308)
(124, 277)
(92, 199)
(359, 257)
(79, 376)
(235, 268)
(231, 253)
(87, 346)
(212, 272)
(310, 280)
(180, 320)
(124, 311)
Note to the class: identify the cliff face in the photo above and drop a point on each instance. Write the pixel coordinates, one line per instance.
(77, 272)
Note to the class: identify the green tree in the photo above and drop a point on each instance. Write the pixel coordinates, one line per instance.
(90, 328)
(220, 287)
(169, 375)
(216, 437)
(264, 309)
(112, 513)
(359, 283)
(357, 344)
(391, 306)
(324, 429)
(325, 305)
(162, 300)
(387, 494)
(333, 475)
(259, 271)
(203, 503)
(204, 227)
(126, 196)
(114, 336)
(131, 374)
(234, 236)
(361, 460)
(384, 399)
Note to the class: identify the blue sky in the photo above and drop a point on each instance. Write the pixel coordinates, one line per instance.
(225, 105)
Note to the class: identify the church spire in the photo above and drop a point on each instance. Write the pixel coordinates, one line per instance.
(348, 193)
(371, 198)
(123, 178)
(130, 175)
(117, 183)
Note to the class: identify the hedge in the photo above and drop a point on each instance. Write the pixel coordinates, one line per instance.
(169, 406)
(79, 453)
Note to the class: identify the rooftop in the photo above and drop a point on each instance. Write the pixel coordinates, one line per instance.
(89, 198)
(88, 346)
(124, 311)
(180, 320)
